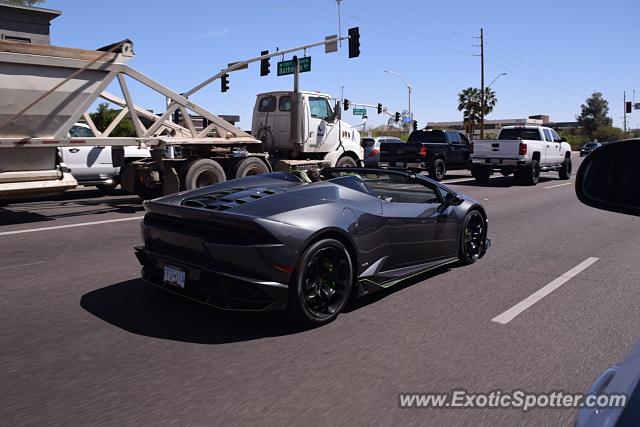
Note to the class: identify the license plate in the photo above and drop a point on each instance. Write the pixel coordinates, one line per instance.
(174, 276)
(495, 161)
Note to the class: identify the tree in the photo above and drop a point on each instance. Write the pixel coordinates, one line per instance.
(103, 117)
(22, 2)
(490, 100)
(594, 114)
(469, 104)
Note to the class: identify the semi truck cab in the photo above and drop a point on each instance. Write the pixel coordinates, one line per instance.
(313, 130)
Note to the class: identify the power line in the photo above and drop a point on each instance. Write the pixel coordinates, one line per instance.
(369, 29)
(537, 68)
(532, 76)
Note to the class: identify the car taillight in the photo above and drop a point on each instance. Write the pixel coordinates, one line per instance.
(423, 152)
(471, 148)
(522, 149)
(374, 152)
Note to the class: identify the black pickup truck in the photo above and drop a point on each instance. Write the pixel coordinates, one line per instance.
(432, 150)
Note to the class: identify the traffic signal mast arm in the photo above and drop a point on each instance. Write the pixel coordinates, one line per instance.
(243, 64)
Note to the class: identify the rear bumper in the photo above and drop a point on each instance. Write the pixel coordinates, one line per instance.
(498, 162)
(213, 287)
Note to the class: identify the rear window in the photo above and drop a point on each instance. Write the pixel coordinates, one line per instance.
(590, 145)
(285, 103)
(522, 133)
(393, 141)
(267, 104)
(368, 142)
(429, 136)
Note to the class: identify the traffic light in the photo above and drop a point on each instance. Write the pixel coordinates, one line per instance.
(627, 107)
(397, 117)
(415, 125)
(346, 104)
(379, 108)
(224, 82)
(264, 64)
(354, 42)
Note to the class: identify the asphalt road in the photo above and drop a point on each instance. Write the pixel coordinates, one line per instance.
(85, 342)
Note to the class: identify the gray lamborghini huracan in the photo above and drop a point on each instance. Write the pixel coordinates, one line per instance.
(274, 241)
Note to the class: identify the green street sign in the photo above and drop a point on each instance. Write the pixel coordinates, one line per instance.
(287, 67)
(359, 111)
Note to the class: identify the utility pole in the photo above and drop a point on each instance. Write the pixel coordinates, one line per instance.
(481, 83)
(339, 22)
(624, 110)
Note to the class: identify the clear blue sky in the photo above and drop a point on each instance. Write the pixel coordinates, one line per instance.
(556, 53)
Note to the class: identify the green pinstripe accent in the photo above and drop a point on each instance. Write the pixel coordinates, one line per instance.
(392, 282)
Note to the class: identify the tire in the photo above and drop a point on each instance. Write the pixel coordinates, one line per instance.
(346, 162)
(531, 174)
(108, 189)
(312, 300)
(201, 173)
(565, 170)
(472, 238)
(146, 193)
(248, 167)
(437, 169)
(481, 174)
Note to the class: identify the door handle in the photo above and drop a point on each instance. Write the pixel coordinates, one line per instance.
(74, 150)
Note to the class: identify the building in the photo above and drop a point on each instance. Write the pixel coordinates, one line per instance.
(26, 24)
(492, 127)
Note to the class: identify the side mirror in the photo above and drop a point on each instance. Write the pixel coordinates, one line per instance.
(563, 139)
(609, 178)
(452, 199)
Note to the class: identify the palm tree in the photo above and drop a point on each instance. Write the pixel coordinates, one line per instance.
(469, 104)
(490, 100)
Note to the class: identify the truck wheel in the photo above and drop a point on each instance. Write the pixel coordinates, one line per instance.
(437, 169)
(530, 175)
(203, 172)
(481, 174)
(146, 193)
(108, 189)
(346, 162)
(565, 169)
(249, 166)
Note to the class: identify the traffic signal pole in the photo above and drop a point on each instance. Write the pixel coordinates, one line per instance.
(624, 109)
(482, 100)
(239, 66)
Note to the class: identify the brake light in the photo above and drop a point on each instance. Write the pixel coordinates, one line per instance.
(423, 152)
(471, 148)
(374, 152)
(522, 149)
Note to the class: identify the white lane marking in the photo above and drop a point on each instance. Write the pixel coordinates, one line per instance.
(511, 313)
(558, 185)
(58, 227)
(453, 181)
(22, 265)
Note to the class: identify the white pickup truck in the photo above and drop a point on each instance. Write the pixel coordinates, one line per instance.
(524, 151)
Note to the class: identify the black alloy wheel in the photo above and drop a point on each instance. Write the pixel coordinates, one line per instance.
(438, 169)
(474, 235)
(322, 283)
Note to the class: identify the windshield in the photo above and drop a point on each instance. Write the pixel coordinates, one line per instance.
(320, 108)
(520, 133)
